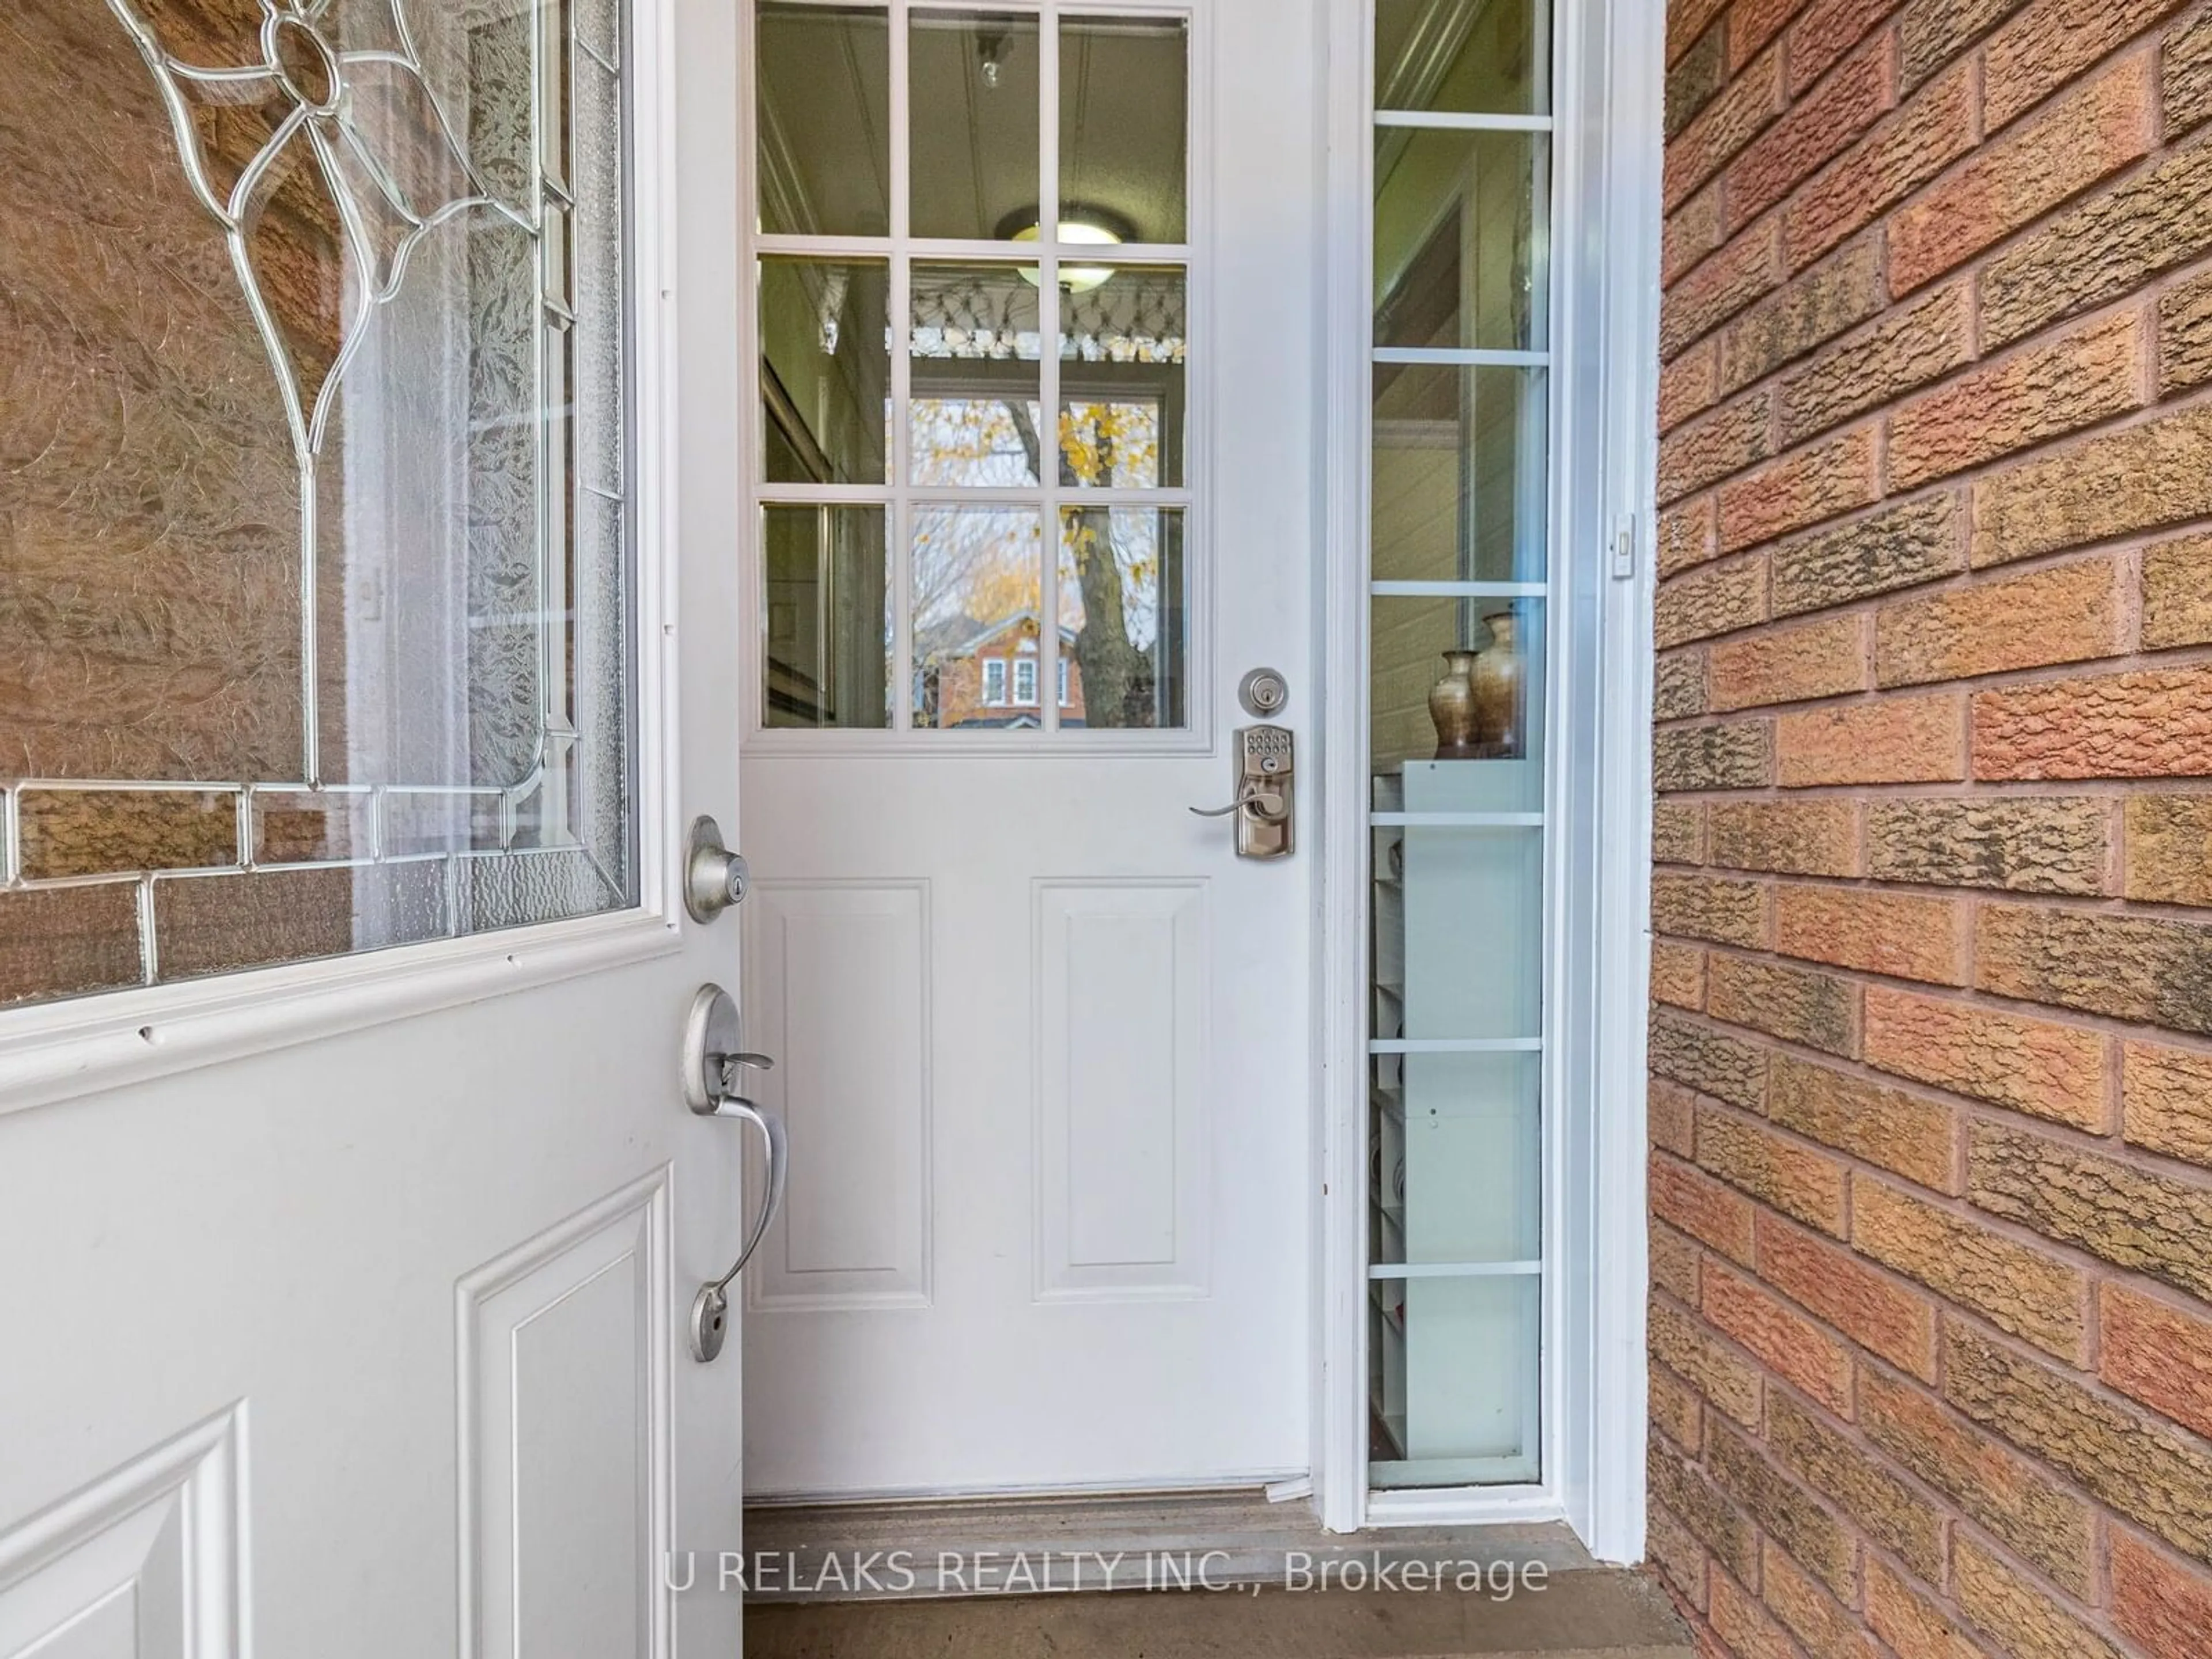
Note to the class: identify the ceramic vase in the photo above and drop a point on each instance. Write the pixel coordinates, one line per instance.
(1452, 707)
(1495, 685)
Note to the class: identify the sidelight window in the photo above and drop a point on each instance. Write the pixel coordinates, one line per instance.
(973, 340)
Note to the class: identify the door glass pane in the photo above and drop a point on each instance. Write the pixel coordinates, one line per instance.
(823, 134)
(1460, 478)
(973, 87)
(828, 616)
(1462, 239)
(1124, 88)
(1122, 410)
(1123, 616)
(825, 369)
(977, 592)
(1484, 57)
(318, 592)
(976, 398)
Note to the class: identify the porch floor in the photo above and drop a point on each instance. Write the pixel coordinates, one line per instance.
(1588, 1614)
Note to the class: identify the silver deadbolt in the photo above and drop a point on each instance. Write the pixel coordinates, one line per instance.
(1264, 692)
(714, 1058)
(715, 877)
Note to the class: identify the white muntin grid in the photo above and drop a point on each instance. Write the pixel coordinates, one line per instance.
(1539, 1418)
(901, 500)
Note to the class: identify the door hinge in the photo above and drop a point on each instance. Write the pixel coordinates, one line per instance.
(1624, 547)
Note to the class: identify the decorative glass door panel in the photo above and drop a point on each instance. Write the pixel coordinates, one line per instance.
(315, 596)
(1459, 581)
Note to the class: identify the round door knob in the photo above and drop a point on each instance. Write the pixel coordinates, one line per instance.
(715, 877)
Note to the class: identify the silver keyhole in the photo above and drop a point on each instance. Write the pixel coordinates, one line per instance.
(1263, 692)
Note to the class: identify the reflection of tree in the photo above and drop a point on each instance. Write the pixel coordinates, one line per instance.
(1120, 679)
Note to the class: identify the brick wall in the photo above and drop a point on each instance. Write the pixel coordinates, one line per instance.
(1931, 1182)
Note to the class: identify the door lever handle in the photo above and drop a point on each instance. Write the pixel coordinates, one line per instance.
(1261, 805)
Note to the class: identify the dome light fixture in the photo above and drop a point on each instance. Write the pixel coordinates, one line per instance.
(1075, 279)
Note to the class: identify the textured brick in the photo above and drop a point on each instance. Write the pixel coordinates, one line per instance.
(1720, 1375)
(1701, 1207)
(1890, 740)
(2014, 1286)
(1673, 1112)
(2108, 245)
(1796, 1004)
(1678, 832)
(2157, 1353)
(1785, 1341)
(1723, 127)
(1804, 314)
(1674, 1550)
(1776, 1172)
(1695, 78)
(1790, 665)
(1931, 32)
(2050, 45)
(1686, 24)
(1875, 1311)
(1714, 599)
(2177, 592)
(2026, 844)
(2027, 1622)
(1711, 448)
(2157, 1475)
(2164, 1605)
(1900, 546)
(2135, 968)
(1753, 23)
(1911, 346)
(1687, 535)
(2169, 841)
(1909, 148)
(1675, 1410)
(1792, 1516)
(1909, 1621)
(1905, 1133)
(1737, 756)
(2041, 392)
(2165, 1100)
(2153, 724)
(1691, 232)
(1678, 975)
(2032, 1065)
(1687, 385)
(2131, 1217)
(1678, 690)
(1824, 31)
(1888, 1509)
(2020, 1506)
(1724, 909)
(2184, 335)
(1900, 935)
(1674, 1263)
(1719, 286)
(2062, 613)
(1739, 1620)
(2139, 477)
(1809, 133)
(1799, 837)
(1711, 1517)
(1828, 1630)
(1819, 482)
(2094, 131)
(2185, 76)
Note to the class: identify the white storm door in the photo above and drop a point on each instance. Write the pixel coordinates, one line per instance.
(1039, 285)
(350, 1214)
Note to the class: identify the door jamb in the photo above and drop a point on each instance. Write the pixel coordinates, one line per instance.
(1607, 144)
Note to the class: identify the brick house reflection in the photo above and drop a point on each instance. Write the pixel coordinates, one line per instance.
(994, 677)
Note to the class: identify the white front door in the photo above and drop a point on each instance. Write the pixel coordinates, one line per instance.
(353, 489)
(1035, 339)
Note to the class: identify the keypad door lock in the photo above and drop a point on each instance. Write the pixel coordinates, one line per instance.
(1266, 800)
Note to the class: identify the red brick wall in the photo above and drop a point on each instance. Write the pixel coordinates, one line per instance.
(1931, 1329)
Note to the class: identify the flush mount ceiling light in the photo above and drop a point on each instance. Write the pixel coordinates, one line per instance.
(1076, 279)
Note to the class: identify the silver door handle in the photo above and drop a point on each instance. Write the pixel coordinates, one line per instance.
(711, 1060)
(1261, 805)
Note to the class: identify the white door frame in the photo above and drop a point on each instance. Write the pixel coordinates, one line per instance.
(1606, 143)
